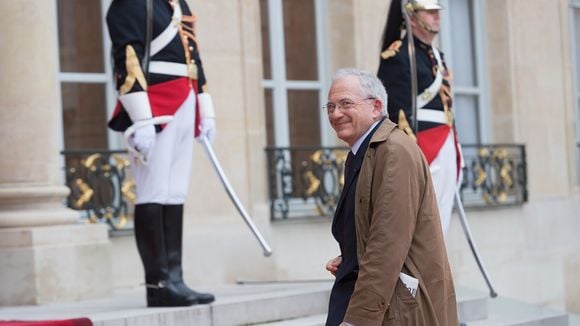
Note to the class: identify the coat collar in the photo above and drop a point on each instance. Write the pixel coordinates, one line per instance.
(383, 132)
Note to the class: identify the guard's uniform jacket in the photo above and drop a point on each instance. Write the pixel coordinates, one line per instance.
(175, 66)
(434, 102)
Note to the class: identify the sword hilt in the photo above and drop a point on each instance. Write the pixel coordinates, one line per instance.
(163, 119)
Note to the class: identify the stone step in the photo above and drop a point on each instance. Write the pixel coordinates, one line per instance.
(475, 309)
(268, 304)
(316, 320)
(508, 312)
(471, 305)
(234, 305)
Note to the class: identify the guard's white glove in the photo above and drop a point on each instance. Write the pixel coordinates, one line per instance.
(139, 109)
(208, 129)
(144, 139)
(207, 125)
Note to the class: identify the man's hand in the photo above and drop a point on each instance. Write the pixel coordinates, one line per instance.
(144, 139)
(333, 264)
(208, 128)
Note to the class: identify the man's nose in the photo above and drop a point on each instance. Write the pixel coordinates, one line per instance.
(336, 113)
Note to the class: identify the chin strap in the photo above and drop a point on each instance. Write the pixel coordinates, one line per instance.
(424, 24)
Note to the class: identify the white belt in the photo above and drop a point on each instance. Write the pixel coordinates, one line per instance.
(429, 115)
(168, 68)
(430, 92)
(168, 34)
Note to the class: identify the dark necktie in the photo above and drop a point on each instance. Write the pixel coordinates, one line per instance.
(348, 166)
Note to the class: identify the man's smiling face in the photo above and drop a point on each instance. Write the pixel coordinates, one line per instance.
(350, 112)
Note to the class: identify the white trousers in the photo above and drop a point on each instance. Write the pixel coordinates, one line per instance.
(165, 179)
(444, 174)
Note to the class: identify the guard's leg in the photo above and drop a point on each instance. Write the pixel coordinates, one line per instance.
(173, 226)
(151, 243)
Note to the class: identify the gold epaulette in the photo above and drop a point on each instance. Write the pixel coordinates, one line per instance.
(392, 50)
(404, 125)
(134, 72)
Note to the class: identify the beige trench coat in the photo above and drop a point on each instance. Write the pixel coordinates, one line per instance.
(398, 230)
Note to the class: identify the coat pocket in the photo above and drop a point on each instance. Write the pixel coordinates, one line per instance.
(403, 304)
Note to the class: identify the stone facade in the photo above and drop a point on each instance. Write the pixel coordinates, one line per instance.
(529, 250)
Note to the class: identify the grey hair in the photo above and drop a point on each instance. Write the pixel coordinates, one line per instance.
(370, 85)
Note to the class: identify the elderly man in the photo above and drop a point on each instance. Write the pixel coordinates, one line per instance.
(393, 267)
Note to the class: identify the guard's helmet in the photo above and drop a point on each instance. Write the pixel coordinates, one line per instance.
(415, 5)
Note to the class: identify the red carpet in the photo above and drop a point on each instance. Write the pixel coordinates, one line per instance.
(67, 322)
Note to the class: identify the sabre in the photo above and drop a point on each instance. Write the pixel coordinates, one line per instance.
(474, 250)
(233, 197)
(406, 7)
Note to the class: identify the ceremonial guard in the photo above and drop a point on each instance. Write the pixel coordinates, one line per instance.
(159, 73)
(436, 134)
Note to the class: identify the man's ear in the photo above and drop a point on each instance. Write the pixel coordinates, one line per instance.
(377, 107)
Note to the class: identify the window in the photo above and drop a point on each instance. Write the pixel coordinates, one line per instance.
(462, 40)
(294, 81)
(87, 90)
(294, 72)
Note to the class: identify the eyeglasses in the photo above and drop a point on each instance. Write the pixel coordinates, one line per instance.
(344, 105)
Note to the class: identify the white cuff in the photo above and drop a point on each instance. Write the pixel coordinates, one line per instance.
(137, 105)
(206, 105)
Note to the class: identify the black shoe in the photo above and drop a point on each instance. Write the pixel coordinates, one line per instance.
(201, 297)
(168, 295)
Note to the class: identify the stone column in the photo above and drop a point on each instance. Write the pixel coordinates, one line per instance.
(45, 255)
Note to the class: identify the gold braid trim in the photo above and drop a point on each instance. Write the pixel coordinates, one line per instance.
(392, 50)
(187, 33)
(404, 125)
(446, 97)
(134, 72)
(188, 23)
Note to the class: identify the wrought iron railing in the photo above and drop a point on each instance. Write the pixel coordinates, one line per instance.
(303, 181)
(306, 181)
(100, 185)
(494, 175)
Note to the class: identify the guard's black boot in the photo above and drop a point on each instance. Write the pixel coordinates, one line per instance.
(150, 237)
(173, 219)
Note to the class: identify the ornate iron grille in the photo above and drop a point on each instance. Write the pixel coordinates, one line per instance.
(306, 181)
(494, 175)
(100, 185)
